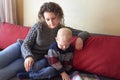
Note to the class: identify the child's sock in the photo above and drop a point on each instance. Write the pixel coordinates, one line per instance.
(23, 75)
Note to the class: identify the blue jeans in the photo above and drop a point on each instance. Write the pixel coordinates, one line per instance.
(10, 61)
(42, 70)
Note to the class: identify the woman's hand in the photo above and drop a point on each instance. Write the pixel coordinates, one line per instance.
(65, 76)
(79, 43)
(28, 63)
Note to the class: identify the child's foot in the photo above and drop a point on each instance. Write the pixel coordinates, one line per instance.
(23, 75)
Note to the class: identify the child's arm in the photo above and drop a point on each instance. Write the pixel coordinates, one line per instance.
(54, 61)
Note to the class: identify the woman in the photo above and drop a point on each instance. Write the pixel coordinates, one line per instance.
(37, 42)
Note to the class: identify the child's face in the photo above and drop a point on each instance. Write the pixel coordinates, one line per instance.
(63, 44)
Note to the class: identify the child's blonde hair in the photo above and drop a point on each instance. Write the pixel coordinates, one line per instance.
(64, 33)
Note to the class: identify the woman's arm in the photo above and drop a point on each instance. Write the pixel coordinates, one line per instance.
(82, 36)
(28, 42)
(26, 47)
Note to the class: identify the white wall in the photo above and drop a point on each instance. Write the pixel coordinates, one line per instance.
(100, 16)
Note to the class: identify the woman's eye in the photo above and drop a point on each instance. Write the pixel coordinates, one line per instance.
(54, 18)
(47, 19)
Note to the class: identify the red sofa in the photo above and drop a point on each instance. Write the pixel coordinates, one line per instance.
(9, 33)
(100, 54)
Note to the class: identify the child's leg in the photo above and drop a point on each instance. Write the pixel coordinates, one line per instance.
(44, 73)
(38, 65)
(39, 69)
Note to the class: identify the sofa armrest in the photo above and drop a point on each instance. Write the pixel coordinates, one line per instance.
(9, 33)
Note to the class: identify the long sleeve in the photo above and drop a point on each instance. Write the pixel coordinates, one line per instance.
(59, 59)
(82, 34)
(38, 40)
(53, 59)
(28, 43)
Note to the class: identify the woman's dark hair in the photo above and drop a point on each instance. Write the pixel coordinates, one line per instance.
(51, 7)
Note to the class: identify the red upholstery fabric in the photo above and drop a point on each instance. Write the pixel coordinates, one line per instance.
(100, 55)
(9, 33)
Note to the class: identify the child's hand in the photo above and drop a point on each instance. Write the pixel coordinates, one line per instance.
(79, 44)
(65, 76)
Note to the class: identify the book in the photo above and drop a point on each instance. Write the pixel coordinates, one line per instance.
(83, 76)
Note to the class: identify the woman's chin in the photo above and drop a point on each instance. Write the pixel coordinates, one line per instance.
(52, 27)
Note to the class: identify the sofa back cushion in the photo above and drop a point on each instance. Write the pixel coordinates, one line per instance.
(100, 55)
(9, 33)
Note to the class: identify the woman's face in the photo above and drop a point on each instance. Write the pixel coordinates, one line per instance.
(51, 19)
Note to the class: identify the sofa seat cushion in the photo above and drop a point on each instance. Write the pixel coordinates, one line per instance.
(9, 33)
(100, 55)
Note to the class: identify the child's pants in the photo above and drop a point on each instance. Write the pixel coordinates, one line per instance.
(42, 70)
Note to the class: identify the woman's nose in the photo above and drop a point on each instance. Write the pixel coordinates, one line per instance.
(51, 21)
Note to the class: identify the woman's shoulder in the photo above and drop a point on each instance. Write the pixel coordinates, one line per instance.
(37, 25)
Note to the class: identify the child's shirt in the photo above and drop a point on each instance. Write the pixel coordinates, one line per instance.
(59, 59)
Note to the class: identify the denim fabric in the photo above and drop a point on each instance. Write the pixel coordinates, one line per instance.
(42, 70)
(10, 61)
